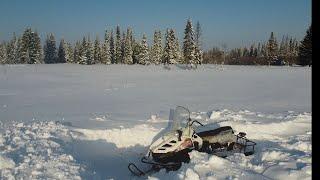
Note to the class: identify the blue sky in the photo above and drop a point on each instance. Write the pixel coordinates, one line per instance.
(234, 22)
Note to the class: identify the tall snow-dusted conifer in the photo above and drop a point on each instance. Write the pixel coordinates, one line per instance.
(118, 54)
(97, 51)
(127, 57)
(76, 52)
(136, 50)
(305, 49)
(112, 48)
(50, 50)
(62, 52)
(156, 51)
(272, 46)
(69, 53)
(171, 53)
(35, 49)
(89, 52)
(123, 43)
(105, 49)
(24, 48)
(144, 57)
(3, 54)
(83, 52)
(189, 44)
(12, 50)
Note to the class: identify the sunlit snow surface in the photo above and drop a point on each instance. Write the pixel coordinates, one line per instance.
(89, 122)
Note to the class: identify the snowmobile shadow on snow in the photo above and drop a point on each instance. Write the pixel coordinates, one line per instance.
(99, 158)
(170, 149)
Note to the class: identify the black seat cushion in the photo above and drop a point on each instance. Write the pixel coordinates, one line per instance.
(214, 131)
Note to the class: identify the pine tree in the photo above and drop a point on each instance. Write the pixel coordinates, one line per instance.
(69, 53)
(12, 50)
(50, 50)
(136, 50)
(62, 52)
(305, 49)
(89, 52)
(3, 54)
(76, 52)
(112, 48)
(35, 49)
(105, 49)
(189, 44)
(127, 57)
(83, 52)
(272, 47)
(171, 54)
(144, 54)
(177, 52)
(97, 51)
(25, 44)
(118, 54)
(156, 48)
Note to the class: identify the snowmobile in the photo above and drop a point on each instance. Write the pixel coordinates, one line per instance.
(171, 150)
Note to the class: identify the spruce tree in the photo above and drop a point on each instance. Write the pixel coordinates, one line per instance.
(35, 49)
(177, 52)
(272, 47)
(89, 52)
(69, 53)
(136, 50)
(105, 49)
(171, 54)
(62, 52)
(127, 57)
(12, 50)
(97, 51)
(144, 57)
(76, 52)
(118, 54)
(156, 48)
(3, 54)
(305, 49)
(83, 52)
(50, 50)
(25, 44)
(189, 44)
(112, 48)
(123, 43)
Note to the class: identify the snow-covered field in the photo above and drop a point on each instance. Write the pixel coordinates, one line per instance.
(88, 122)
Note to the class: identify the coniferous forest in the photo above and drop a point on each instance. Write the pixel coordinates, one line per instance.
(122, 47)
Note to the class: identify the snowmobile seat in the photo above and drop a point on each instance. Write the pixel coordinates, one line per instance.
(214, 131)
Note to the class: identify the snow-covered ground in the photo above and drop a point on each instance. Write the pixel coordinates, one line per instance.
(88, 122)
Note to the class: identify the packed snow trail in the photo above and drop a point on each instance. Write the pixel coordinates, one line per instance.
(42, 150)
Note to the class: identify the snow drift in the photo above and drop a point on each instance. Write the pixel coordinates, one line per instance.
(53, 150)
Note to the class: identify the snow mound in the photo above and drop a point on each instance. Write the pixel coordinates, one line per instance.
(37, 151)
(122, 138)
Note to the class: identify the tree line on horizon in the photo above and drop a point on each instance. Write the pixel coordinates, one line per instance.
(123, 48)
(289, 51)
(114, 48)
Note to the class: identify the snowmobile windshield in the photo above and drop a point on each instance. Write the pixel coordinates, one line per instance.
(180, 118)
